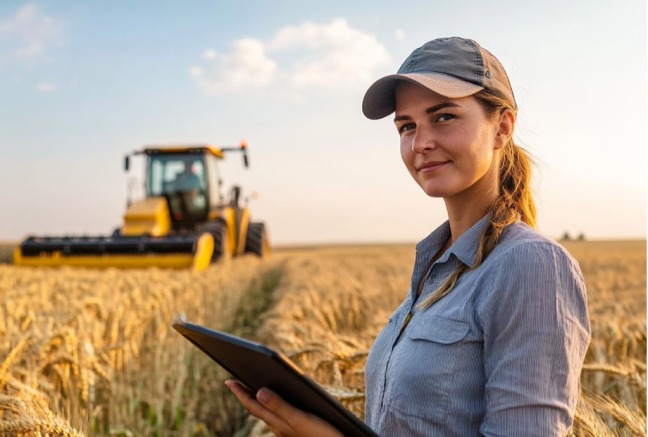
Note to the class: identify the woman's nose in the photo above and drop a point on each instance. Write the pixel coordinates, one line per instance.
(423, 141)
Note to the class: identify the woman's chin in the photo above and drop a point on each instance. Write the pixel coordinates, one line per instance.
(434, 190)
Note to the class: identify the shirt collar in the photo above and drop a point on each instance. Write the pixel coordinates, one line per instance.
(436, 240)
(465, 248)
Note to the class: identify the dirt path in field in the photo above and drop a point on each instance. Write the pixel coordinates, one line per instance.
(258, 298)
(245, 323)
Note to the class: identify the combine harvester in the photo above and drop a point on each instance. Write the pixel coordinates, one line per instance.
(182, 222)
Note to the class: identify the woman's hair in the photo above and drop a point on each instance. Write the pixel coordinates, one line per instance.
(514, 201)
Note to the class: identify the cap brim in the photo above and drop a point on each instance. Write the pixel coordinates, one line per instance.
(379, 100)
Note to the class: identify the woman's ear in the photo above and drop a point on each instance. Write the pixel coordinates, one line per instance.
(505, 126)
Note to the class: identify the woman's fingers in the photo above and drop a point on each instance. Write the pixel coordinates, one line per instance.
(278, 406)
(254, 407)
(297, 422)
(284, 419)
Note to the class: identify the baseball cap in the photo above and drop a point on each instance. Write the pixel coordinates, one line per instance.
(453, 67)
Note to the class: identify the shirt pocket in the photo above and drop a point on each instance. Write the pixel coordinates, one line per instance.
(432, 347)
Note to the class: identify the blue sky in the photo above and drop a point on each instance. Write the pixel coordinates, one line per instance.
(83, 83)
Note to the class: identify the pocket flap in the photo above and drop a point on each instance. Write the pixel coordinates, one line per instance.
(437, 329)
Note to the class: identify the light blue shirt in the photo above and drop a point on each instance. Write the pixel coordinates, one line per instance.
(500, 355)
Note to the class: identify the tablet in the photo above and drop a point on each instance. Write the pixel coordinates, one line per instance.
(258, 366)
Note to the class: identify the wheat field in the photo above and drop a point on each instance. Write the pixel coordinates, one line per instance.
(90, 352)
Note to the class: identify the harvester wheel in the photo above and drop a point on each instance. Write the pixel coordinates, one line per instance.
(256, 241)
(219, 232)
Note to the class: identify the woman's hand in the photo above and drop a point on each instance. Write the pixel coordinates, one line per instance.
(282, 418)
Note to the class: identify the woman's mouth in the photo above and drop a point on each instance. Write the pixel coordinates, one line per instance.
(430, 166)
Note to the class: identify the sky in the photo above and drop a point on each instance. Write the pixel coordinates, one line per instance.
(84, 83)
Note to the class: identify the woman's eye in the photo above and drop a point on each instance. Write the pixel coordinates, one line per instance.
(445, 117)
(406, 127)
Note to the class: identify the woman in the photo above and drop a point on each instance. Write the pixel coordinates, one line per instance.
(491, 337)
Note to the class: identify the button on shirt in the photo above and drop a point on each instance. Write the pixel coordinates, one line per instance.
(500, 355)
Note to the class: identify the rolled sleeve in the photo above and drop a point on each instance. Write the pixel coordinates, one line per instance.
(536, 331)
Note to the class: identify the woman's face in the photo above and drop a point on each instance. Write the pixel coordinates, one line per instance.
(448, 145)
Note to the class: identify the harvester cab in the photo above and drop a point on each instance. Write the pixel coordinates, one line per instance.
(182, 221)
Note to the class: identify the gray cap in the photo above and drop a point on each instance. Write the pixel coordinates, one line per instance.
(453, 67)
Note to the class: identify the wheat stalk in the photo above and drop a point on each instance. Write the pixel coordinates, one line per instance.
(30, 419)
(634, 421)
(10, 358)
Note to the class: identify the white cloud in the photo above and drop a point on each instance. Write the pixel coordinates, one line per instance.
(313, 55)
(399, 34)
(335, 53)
(210, 54)
(45, 87)
(33, 30)
(246, 65)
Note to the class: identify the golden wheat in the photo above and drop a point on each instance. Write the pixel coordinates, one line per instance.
(29, 418)
(99, 343)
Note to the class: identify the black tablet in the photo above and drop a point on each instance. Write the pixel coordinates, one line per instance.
(258, 366)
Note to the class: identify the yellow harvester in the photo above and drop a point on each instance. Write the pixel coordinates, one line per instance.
(182, 222)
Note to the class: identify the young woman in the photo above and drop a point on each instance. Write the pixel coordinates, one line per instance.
(491, 337)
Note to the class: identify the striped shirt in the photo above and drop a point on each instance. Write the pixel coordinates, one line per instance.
(499, 356)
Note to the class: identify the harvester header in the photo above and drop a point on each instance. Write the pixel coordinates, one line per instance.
(183, 221)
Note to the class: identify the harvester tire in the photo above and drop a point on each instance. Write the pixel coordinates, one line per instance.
(256, 241)
(219, 232)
